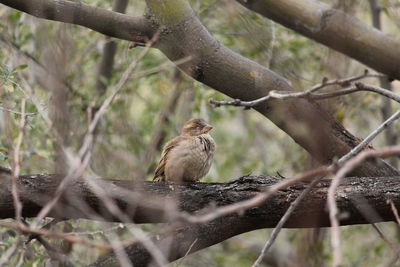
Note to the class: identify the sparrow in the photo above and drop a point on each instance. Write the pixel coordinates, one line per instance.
(188, 156)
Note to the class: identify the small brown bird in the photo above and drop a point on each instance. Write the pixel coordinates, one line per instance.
(188, 156)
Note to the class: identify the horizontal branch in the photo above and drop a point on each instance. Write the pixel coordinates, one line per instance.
(114, 24)
(152, 202)
(335, 29)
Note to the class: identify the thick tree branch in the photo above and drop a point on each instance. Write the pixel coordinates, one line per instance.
(110, 23)
(177, 240)
(336, 30)
(152, 202)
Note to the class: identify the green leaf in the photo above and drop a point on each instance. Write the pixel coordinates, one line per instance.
(21, 67)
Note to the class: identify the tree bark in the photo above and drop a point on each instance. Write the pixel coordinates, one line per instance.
(335, 29)
(151, 202)
(114, 24)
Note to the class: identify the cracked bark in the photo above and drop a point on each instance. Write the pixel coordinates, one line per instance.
(151, 206)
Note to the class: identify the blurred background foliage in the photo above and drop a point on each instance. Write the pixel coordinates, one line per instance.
(60, 62)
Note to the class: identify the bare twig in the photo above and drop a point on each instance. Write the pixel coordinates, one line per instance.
(83, 156)
(345, 158)
(103, 232)
(17, 112)
(17, 163)
(178, 263)
(370, 137)
(359, 87)
(273, 94)
(348, 166)
(283, 220)
(70, 238)
(345, 81)
(10, 252)
(137, 232)
(395, 211)
(53, 252)
(382, 235)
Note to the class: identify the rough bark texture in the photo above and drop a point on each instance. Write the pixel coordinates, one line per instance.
(355, 197)
(152, 198)
(335, 29)
(151, 202)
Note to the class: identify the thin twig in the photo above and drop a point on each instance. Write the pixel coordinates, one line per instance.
(345, 81)
(370, 137)
(382, 235)
(17, 163)
(70, 238)
(273, 94)
(347, 167)
(178, 263)
(395, 211)
(137, 232)
(359, 87)
(84, 153)
(17, 112)
(10, 252)
(83, 156)
(283, 220)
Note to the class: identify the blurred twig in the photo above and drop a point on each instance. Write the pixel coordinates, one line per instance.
(70, 238)
(283, 220)
(17, 112)
(10, 252)
(17, 163)
(395, 211)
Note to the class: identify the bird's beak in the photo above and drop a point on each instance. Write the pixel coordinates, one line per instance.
(206, 129)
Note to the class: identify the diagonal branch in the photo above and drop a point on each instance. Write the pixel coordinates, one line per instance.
(110, 23)
(334, 29)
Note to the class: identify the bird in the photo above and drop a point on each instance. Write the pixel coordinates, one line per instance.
(187, 157)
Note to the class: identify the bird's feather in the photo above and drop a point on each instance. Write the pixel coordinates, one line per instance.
(159, 174)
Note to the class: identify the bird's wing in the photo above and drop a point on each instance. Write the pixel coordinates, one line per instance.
(159, 174)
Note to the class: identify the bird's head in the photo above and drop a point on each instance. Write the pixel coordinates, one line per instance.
(196, 127)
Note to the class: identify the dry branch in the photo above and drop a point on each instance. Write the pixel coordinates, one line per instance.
(150, 201)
